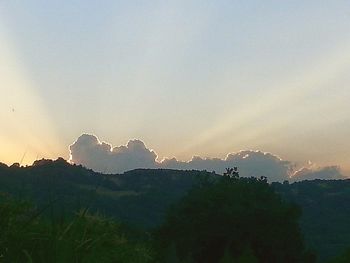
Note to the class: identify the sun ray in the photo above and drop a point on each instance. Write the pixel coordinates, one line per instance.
(26, 123)
(237, 122)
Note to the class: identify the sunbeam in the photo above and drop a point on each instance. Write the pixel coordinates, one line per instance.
(27, 127)
(189, 78)
(257, 118)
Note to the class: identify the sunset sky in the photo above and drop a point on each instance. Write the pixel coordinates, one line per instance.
(186, 77)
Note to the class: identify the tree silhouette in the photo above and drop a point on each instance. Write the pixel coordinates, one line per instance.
(233, 220)
(232, 172)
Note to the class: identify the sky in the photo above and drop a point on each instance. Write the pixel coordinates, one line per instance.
(188, 78)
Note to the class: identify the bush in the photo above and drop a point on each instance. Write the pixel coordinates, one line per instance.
(232, 220)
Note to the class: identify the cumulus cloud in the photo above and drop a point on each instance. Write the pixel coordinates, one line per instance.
(90, 152)
(328, 172)
(250, 163)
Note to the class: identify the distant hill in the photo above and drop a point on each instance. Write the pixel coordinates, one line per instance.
(141, 197)
(326, 213)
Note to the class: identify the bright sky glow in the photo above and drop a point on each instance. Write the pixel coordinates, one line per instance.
(186, 77)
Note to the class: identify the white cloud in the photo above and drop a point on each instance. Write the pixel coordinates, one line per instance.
(250, 163)
(100, 156)
(328, 172)
(88, 151)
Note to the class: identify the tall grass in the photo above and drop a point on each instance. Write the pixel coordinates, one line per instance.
(26, 236)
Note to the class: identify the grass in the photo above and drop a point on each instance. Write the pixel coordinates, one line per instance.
(25, 236)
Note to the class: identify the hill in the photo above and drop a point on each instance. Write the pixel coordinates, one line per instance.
(138, 197)
(141, 197)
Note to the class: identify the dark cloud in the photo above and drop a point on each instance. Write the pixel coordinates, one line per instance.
(88, 151)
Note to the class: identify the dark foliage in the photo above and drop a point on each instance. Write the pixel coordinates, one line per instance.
(26, 237)
(236, 218)
(138, 197)
(141, 197)
(342, 258)
(326, 211)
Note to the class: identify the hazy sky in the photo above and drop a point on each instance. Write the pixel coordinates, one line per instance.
(186, 77)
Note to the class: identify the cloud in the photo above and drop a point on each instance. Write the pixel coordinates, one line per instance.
(328, 172)
(90, 152)
(250, 163)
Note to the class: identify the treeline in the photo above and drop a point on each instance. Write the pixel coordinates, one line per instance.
(140, 200)
(226, 219)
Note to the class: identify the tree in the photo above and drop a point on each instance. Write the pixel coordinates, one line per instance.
(342, 258)
(233, 220)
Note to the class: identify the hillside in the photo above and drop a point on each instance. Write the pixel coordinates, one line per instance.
(138, 197)
(326, 211)
(141, 197)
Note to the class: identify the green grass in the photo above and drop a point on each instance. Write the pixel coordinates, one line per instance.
(27, 237)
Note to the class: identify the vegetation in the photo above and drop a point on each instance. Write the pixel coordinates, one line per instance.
(342, 258)
(325, 213)
(70, 188)
(26, 237)
(232, 220)
(140, 198)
